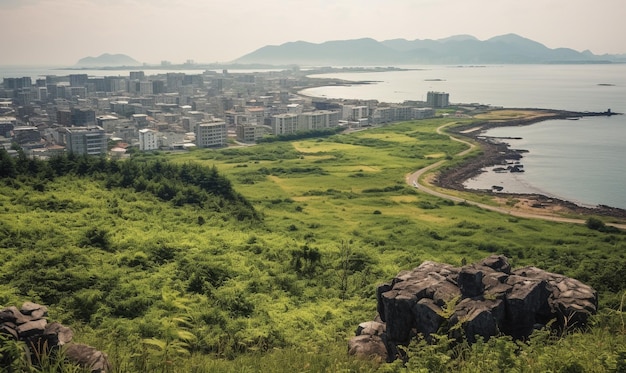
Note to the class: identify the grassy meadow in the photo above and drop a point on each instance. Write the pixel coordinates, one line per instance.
(181, 287)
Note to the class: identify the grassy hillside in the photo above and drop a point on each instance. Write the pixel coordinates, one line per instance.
(170, 274)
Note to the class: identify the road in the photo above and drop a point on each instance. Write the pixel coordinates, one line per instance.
(413, 179)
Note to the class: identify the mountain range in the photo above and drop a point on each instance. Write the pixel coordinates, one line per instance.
(459, 49)
(106, 60)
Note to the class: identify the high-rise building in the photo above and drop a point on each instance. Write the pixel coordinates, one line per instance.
(64, 117)
(17, 83)
(137, 75)
(437, 99)
(78, 80)
(83, 117)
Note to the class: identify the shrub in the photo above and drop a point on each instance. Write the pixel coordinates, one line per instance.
(96, 237)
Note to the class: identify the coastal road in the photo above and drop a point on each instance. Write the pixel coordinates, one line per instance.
(413, 179)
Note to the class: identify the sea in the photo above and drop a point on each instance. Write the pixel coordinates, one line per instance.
(582, 161)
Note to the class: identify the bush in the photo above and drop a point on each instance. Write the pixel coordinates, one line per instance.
(96, 237)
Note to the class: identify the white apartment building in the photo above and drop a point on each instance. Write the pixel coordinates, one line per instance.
(211, 134)
(423, 112)
(319, 119)
(284, 124)
(354, 113)
(148, 140)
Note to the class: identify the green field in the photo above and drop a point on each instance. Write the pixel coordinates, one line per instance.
(162, 284)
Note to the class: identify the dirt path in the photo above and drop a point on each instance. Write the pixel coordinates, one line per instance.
(413, 179)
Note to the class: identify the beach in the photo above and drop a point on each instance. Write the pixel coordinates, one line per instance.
(507, 186)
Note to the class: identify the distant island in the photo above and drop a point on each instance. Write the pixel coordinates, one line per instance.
(460, 49)
(107, 60)
(367, 52)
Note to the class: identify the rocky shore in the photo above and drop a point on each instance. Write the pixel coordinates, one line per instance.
(498, 153)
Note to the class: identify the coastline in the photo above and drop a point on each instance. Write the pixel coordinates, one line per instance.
(497, 153)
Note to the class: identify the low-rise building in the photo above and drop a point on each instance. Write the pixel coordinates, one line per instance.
(252, 132)
(84, 140)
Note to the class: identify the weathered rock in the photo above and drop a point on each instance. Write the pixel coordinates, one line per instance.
(12, 314)
(88, 358)
(470, 282)
(399, 319)
(31, 328)
(29, 325)
(63, 334)
(8, 328)
(36, 311)
(379, 303)
(371, 328)
(367, 346)
(479, 317)
(488, 299)
(570, 301)
(526, 299)
(498, 263)
(428, 317)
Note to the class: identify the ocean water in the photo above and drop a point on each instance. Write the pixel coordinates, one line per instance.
(582, 161)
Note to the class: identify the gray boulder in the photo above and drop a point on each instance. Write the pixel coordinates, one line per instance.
(30, 326)
(88, 357)
(483, 299)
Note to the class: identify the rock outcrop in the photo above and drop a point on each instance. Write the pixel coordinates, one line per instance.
(485, 299)
(29, 325)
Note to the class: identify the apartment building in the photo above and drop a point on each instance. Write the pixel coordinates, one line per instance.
(354, 113)
(148, 139)
(314, 120)
(84, 140)
(437, 99)
(251, 132)
(284, 123)
(211, 134)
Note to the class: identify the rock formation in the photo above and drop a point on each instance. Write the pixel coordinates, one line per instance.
(29, 325)
(486, 299)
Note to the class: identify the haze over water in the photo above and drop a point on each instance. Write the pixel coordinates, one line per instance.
(581, 161)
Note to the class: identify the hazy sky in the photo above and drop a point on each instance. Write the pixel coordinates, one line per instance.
(60, 32)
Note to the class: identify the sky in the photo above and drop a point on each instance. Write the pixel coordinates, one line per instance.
(60, 32)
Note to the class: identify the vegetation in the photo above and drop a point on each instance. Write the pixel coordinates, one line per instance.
(266, 258)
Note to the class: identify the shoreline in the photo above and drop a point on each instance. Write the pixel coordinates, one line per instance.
(495, 153)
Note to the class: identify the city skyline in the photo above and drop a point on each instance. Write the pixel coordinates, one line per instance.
(44, 32)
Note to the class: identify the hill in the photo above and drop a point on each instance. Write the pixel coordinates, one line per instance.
(459, 49)
(107, 59)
